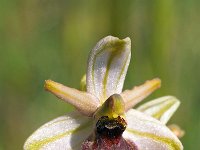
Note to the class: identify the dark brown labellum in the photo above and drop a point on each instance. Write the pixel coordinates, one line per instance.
(111, 128)
(108, 136)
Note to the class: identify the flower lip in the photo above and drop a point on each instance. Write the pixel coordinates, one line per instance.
(110, 127)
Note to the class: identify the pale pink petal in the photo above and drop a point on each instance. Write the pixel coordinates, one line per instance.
(137, 94)
(84, 102)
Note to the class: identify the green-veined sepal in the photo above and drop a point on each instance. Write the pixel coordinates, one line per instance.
(107, 66)
(149, 133)
(66, 133)
(162, 108)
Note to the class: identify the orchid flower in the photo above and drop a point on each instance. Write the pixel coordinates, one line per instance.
(104, 118)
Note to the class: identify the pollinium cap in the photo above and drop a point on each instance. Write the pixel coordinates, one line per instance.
(112, 107)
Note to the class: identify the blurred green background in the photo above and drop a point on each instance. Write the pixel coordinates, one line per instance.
(51, 39)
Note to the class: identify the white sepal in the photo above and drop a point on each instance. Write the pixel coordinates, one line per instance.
(162, 108)
(107, 66)
(66, 132)
(149, 133)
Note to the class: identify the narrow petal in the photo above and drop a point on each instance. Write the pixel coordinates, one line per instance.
(176, 130)
(83, 83)
(137, 94)
(162, 108)
(84, 102)
(107, 66)
(149, 133)
(66, 132)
